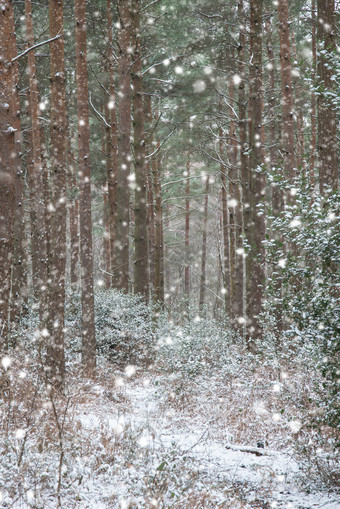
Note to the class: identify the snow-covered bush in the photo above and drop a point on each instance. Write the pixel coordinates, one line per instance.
(124, 328)
(304, 258)
(200, 346)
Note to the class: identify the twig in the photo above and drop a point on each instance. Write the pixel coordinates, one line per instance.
(35, 46)
(60, 428)
(196, 443)
(161, 145)
(97, 112)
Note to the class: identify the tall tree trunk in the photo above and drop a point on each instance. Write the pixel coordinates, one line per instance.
(111, 141)
(256, 230)
(8, 169)
(244, 161)
(287, 91)
(106, 210)
(38, 226)
(166, 227)
(73, 215)
(276, 198)
(151, 231)
(55, 344)
(19, 289)
(159, 257)
(140, 234)
(187, 231)
(204, 246)
(311, 165)
(106, 236)
(34, 237)
(87, 291)
(225, 227)
(233, 202)
(150, 196)
(327, 141)
(121, 268)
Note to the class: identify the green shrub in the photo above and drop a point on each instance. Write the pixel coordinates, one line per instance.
(124, 328)
(304, 258)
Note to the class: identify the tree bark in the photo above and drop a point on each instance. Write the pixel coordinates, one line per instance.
(256, 228)
(140, 235)
(111, 142)
(204, 246)
(56, 301)
(311, 165)
(327, 140)
(88, 354)
(276, 197)
(159, 256)
(8, 169)
(187, 231)
(150, 197)
(287, 92)
(244, 160)
(121, 268)
(19, 283)
(106, 236)
(225, 228)
(233, 202)
(73, 216)
(38, 226)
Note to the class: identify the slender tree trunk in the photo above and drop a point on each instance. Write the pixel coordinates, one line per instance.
(233, 203)
(121, 268)
(56, 301)
(140, 234)
(287, 91)
(39, 251)
(327, 140)
(149, 195)
(106, 246)
(111, 140)
(19, 289)
(73, 217)
(225, 228)
(8, 168)
(34, 237)
(276, 198)
(106, 210)
(166, 227)
(256, 229)
(187, 231)
(244, 163)
(86, 259)
(298, 103)
(311, 165)
(204, 246)
(159, 257)
(151, 232)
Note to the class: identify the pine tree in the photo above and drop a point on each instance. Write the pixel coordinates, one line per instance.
(8, 169)
(140, 235)
(87, 291)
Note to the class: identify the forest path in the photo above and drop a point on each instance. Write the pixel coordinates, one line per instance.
(170, 456)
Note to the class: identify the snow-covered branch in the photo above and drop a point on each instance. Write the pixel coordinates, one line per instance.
(36, 46)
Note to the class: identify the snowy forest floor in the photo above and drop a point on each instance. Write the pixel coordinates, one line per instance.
(147, 438)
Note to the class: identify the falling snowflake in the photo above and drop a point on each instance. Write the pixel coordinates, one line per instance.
(199, 86)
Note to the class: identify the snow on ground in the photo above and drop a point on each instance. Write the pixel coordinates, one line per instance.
(164, 458)
(159, 438)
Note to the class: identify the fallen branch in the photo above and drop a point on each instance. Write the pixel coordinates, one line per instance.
(249, 449)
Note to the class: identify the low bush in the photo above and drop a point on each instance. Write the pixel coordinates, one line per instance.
(124, 328)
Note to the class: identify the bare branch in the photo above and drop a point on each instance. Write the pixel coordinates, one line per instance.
(150, 4)
(97, 113)
(36, 46)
